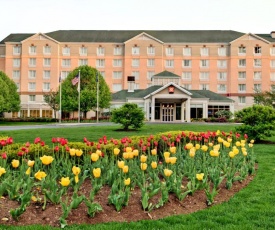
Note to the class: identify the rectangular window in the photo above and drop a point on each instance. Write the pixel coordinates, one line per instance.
(242, 75)
(47, 62)
(222, 63)
(151, 50)
(257, 50)
(135, 50)
(187, 63)
(32, 50)
(135, 62)
(150, 74)
(16, 50)
(241, 100)
(46, 87)
(32, 98)
(83, 51)
(117, 87)
(242, 50)
(46, 74)
(66, 51)
(136, 74)
(187, 86)
(100, 63)
(100, 51)
(221, 88)
(186, 51)
(47, 50)
(117, 62)
(169, 63)
(32, 74)
(272, 88)
(32, 62)
(136, 85)
(169, 51)
(16, 74)
(16, 62)
(272, 51)
(151, 62)
(204, 51)
(257, 87)
(64, 74)
(204, 87)
(66, 62)
(257, 75)
(187, 76)
(257, 62)
(222, 51)
(117, 75)
(117, 51)
(242, 88)
(102, 73)
(272, 76)
(272, 63)
(31, 86)
(204, 76)
(242, 62)
(204, 63)
(83, 62)
(18, 86)
(221, 76)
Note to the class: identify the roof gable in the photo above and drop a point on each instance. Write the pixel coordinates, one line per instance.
(39, 36)
(250, 36)
(166, 74)
(144, 36)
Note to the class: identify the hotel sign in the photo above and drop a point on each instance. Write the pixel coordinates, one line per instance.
(171, 89)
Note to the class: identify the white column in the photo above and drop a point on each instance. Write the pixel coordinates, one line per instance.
(187, 107)
(153, 109)
(182, 111)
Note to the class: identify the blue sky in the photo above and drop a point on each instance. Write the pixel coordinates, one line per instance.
(34, 16)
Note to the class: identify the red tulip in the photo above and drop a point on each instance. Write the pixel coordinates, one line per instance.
(54, 140)
(42, 143)
(56, 148)
(27, 144)
(37, 140)
(4, 155)
(85, 139)
(20, 154)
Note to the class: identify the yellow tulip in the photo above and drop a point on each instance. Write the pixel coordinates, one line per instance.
(214, 153)
(229, 139)
(30, 163)
(204, 148)
(167, 160)
(252, 141)
(97, 172)
(120, 164)
(192, 152)
(94, 157)
(127, 181)
(154, 152)
(189, 146)
(245, 153)
(65, 181)
(210, 144)
(197, 146)
(231, 154)
(15, 163)
(250, 145)
(226, 144)
(143, 158)
(78, 152)
(220, 140)
(173, 149)
(143, 166)
(116, 151)
(200, 176)
(98, 152)
(76, 179)
(135, 152)
(173, 160)
(76, 170)
(168, 172)
(125, 155)
(125, 169)
(72, 152)
(166, 154)
(218, 132)
(238, 143)
(130, 155)
(40, 175)
(46, 160)
(28, 172)
(235, 150)
(154, 165)
(217, 147)
(2, 171)
(128, 149)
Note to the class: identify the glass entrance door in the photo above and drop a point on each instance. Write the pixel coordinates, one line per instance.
(167, 112)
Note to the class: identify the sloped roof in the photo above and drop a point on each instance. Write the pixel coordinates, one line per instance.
(209, 94)
(266, 37)
(166, 74)
(16, 38)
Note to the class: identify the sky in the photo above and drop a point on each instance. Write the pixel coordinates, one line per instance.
(43, 16)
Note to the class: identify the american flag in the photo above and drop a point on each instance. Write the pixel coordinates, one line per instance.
(75, 80)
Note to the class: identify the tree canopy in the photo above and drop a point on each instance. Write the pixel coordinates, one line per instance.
(266, 98)
(9, 97)
(51, 98)
(88, 91)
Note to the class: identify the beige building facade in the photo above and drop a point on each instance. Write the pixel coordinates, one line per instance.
(229, 63)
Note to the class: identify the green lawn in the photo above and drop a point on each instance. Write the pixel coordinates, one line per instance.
(251, 208)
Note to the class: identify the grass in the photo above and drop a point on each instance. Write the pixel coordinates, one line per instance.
(251, 208)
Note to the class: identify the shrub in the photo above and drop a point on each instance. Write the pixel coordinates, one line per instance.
(224, 114)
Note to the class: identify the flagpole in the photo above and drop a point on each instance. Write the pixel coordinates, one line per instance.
(79, 96)
(60, 108)
(97, 89)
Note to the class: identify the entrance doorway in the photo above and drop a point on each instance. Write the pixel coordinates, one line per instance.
(168, 112)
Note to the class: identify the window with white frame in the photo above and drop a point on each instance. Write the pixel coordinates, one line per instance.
(187, 63)
(83, 51)
(257, 87)
(257, 75)
(46, 74)
(257, 50)
(32, 98)
(169, 51)
(151, 62)
(222, 76)
(16, 62)
(31, 86)
(83, 62)
(100, 51)
(150, 74)
(272, 76)
(204, 63)
(204, 51)
(222, 51)
(187, 86)
(117, 87)
(117, 62)
(242, 50)
(102, 73)
(16, 50)
(136, 85)
(272, 88)
(117, 51)
(242, 75)
(66, 51)
(46, 86)
(32, 74)
(272, 63)
(242, 88)
(32, 62)
(187, 76)
(242, 62)
(186, 51)
(32, 50)
(135, 62)
(204, 76)
(47, 50)
(151, 50)
(135, 50)
(136, 74)
(117, 75)
(241, 100)
(66, 62)
(16, 74)
(272, 51)
(221, 88)
(204, 87)
(257, 62)
(64, 74)
(222, 63)
(100, 63)
(47, 62)
(169, 63)
(17, 86)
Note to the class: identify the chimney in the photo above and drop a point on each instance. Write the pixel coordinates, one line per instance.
(131, 83)
(272, 34)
